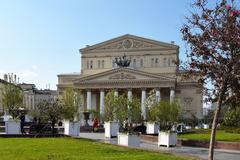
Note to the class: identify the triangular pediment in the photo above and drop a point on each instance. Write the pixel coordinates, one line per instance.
(123, 74)
(129, 42)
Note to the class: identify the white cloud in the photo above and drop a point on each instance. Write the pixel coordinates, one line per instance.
(34, 67)
(27, 74)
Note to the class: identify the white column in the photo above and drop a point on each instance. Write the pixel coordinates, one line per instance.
(89, 99)
(158, 95)
(116, 92)
(172, 95)
(102, 94)
(130, 94)
(143, 107)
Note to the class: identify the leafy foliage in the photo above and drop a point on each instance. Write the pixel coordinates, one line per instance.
(166, 113)
(213, 37)
(49, 111)
(232, 117)
(71, 101)
(121, 109)
(134, 111)
(94, 113)
(12, 99)
(109, 104)
(150, 101)
(118, 108)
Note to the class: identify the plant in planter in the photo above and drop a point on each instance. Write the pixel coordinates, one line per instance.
(71, 102)
(152, 125)
(167, 114)
(12, 101)
(110, 123)
(127, 135)
(48, 111)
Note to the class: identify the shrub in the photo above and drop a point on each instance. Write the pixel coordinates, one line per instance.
(232, 117)
(166, 113)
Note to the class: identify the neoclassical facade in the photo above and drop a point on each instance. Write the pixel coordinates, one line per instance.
(152, 67)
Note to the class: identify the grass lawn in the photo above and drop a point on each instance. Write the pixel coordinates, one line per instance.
(205, 135)
(72, 149)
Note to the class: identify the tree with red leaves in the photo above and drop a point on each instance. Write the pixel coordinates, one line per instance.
(212, 33)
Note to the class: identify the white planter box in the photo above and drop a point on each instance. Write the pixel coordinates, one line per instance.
(152, 128)
(188, 127)
(111, 129)
(205, 126)
(125, 139)
(12, 127)
(71, 128)
(167, 139)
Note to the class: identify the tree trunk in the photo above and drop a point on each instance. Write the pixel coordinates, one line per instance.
(214, 127)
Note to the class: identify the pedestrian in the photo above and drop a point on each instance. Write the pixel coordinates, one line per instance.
(22, 119)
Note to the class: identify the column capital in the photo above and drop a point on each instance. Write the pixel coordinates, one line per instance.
(143, 89)
(88, 90)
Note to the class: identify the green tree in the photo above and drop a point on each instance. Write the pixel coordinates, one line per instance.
(71, 101)
(120, 110)
(212, 33)
(49, 111)
(12, 99)
(134, 111)
(149, 102)
(166, 113)
(109, 104)
(232, 117)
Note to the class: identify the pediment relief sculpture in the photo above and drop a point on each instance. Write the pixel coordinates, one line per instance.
(122, 76)
(128, 44)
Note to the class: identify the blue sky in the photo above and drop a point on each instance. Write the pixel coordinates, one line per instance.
(40, 39)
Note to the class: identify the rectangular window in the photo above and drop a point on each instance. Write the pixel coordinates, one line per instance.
(156, 62)
(113, 63)
(102, 63)
(152, 62)
(165, 62)
(141, 63)
(91, 64)
(87, 64)
(99, 64)
(134, 63)
(169, 62)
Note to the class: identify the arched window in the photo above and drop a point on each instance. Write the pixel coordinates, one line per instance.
(102, 63)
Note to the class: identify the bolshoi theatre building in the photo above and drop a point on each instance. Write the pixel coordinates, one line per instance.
(152, 66)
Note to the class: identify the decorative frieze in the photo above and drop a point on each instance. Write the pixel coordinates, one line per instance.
(122, 76)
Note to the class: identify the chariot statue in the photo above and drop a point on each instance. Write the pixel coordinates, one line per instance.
(122, 61)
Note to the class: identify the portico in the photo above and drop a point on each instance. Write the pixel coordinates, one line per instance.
(126, 81)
